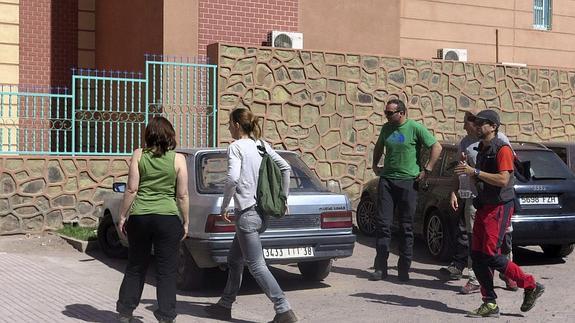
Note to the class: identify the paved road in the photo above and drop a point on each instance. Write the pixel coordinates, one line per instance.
(73, 287)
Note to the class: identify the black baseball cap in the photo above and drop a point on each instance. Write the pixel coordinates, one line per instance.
(489, 115)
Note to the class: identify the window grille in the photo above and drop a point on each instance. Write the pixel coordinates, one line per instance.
(542, 14)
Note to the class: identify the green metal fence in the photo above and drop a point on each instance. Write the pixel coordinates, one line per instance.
(105, 112)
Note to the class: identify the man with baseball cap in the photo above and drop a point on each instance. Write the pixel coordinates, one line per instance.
(466, 212)
(494, 202)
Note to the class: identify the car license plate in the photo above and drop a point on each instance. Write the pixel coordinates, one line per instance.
(284, 253)
(539, 200)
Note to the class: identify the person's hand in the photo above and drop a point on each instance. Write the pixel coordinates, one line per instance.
(453, 201)
(226, 216)
(185, 225)
(122, 228)
(463, 168)
(421, 176)
(287, 208)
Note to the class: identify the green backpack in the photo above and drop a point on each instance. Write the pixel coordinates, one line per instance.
(270, 197)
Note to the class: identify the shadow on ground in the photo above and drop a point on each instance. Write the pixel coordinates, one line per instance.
(195, 309)
(389, 299)
(89, 313)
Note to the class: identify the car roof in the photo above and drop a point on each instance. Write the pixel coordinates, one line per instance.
(193, 151)
(516, 145)
(563, 144)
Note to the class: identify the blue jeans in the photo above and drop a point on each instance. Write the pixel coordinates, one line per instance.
(247, 248)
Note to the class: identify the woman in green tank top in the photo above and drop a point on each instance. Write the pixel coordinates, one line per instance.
(156, 199)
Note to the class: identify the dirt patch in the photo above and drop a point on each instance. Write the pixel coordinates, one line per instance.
(40, 244)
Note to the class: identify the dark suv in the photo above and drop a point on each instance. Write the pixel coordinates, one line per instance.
(545, 214)
(565, 151)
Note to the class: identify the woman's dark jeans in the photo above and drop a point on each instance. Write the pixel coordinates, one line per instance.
(164, 232)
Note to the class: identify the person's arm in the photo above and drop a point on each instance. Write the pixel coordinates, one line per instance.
(501, 178)
(433, 156)
(284, 167)
(233, 177)
(131, 190)
(377, 152)
(182, 196)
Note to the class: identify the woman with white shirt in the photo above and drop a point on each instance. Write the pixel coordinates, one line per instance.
(243, 170)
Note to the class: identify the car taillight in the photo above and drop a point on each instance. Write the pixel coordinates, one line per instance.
(216, 223)
(337, 219)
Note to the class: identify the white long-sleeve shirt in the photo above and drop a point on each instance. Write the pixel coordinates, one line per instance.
(243, 172)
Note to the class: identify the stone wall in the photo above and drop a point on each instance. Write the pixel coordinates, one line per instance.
(39, 192)
(329, 106)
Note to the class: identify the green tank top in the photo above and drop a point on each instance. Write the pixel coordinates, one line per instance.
(157, 189)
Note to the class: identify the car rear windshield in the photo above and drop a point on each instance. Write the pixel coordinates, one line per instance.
(213, 169)
(545, 164)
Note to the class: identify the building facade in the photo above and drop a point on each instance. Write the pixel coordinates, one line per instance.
(40, 41)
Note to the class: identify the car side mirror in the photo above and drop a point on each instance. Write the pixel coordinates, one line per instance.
(119, 187)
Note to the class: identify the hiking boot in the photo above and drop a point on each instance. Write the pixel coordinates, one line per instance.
(217, 311)
(530, 296)
(285, 317)
(485, 310)
(470, 287)
(452, 272)
(509, 283)
(378, 275)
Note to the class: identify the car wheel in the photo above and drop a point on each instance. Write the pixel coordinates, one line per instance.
(365, 216)
(109, 240)
(437, 236)
(315, 270)
(557, 251)
(190, 276)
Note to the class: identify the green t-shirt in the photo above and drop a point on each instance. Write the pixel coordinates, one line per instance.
(402, 145)
(157, 189)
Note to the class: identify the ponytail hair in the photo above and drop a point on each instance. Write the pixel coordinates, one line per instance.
(248, 121)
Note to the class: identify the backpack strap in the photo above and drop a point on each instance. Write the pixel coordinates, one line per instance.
(261, 147)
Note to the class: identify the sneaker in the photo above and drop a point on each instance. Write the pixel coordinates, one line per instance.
(285, 317)
(378, 275)
(485, 310)
(530, 296)
(453, 272)
(470, 288)
(219, 312)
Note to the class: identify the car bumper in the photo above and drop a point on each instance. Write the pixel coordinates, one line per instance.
(212, 253)
(543, 230)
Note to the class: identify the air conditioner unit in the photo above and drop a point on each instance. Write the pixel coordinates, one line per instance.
(284, 39)
(452, 54)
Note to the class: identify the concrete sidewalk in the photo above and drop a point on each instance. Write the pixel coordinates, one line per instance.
(44, 289)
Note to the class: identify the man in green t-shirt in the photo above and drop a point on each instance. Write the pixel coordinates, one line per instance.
(402, 140)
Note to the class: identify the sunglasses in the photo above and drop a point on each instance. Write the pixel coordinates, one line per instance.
(390, 113)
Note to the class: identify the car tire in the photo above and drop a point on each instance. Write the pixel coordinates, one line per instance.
(558, 251)
(109, 240)
(315, 270)
(365, 216)
(437, 235)
(190, 276)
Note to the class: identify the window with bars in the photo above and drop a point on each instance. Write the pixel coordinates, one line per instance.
(542, 14)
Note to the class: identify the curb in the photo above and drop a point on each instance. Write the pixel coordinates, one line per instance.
(81, 245)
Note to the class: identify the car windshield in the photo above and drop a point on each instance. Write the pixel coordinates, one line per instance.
(545, 164)
(214, 166)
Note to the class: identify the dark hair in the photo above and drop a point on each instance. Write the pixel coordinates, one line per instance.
(247, 121)
(400, 105)
(159, 136)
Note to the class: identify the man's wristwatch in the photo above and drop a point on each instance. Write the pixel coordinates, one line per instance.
(476, 172)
